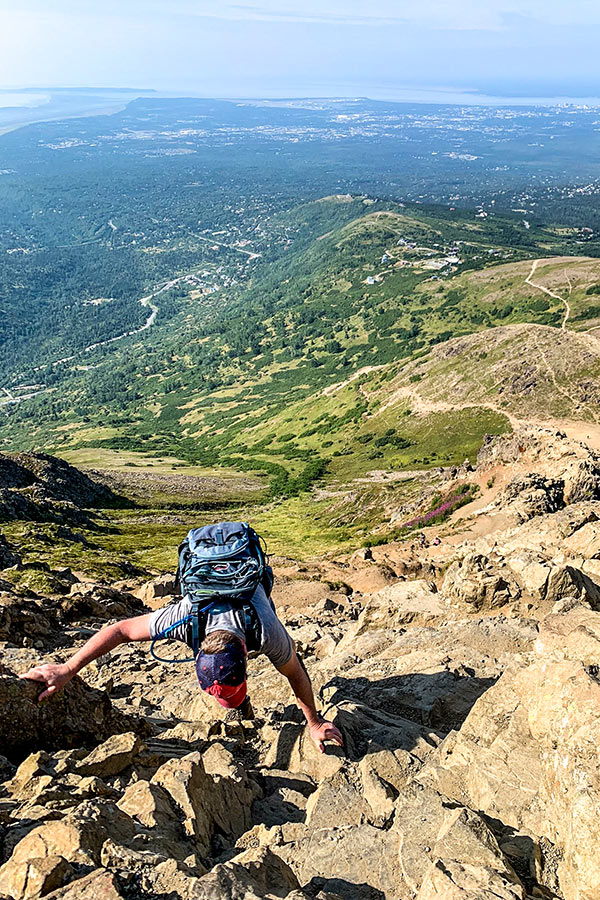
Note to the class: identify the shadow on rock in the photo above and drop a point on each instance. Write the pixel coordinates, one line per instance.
(398, 711)
(344, 888)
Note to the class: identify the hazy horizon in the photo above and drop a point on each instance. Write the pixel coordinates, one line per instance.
(528, 49)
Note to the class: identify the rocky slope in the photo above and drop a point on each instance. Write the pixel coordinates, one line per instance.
(463, 676)
(39, 487)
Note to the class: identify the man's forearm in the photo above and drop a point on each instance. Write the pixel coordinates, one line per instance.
(56, 675)
(100, 643)
(302, 688)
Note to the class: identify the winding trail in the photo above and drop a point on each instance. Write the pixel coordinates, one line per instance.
(545, 290)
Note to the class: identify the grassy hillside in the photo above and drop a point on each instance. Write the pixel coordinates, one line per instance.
(358, 283)
(370, 337)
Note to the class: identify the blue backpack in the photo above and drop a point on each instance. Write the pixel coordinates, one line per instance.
(222, 562)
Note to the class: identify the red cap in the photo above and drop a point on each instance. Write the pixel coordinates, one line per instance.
(230, 696)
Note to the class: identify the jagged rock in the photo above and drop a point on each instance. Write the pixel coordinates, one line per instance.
(527, 754)
(77, 716)
(8, 557)
(24, 784)
(392, 767)
(471, 740)
(569, 583)
(359, 862)
(99, 602)
(582, 481)
(151, 806)
(491, 764)
(155, 874)
(547, 534)
(98, 885)
(285, 799)
(337, 802)
(78, 838)
(574, 636)
(531, 571)
(36, 877)
(584, 542)
(430, 827)
(155, 594)
(206, 802)
(25, 620)
(401, 604)
(256, 874)
(111, 757)
(533, 495)
(480, 582)
(452, 880)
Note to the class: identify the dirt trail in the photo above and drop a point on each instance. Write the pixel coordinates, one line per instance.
(421, 406)
(545, 290)
(334, 388)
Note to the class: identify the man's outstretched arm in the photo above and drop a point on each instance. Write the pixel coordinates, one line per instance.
(320, 729)
(56, 676)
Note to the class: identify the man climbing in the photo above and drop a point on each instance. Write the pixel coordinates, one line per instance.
(230, 623)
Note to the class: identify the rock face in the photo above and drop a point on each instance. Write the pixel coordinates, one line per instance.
(527, 754)
(465, 683)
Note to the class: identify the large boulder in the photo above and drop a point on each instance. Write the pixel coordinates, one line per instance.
(448, 879)
(480, 582)
(584, 542)
(532, 495)
(78, 838)
(78, 716)
(35, 877)
(98, 885)
(582, 480)
(27, 620)
(112, 756)
(255, 874)
(567, 583)
(206, 803)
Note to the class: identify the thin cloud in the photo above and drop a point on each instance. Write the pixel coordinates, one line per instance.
(429, 15)
(461, 15)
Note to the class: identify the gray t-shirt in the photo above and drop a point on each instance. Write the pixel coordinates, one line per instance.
(276, 642)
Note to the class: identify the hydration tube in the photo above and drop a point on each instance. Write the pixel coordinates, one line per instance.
(165, 633)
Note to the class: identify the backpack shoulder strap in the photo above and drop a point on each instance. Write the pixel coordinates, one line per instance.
(199, 620)
(197, 626)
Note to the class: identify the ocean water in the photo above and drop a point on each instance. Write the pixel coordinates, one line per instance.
(10, 100)
(19, 108)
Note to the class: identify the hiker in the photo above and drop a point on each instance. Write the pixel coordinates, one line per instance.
(237, 617)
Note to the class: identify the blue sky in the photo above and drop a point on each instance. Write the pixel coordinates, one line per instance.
(309, 47)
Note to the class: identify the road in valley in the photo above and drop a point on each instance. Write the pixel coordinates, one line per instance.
(144, 301)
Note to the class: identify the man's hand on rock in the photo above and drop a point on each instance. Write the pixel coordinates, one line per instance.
(54, 676)
(325, 731)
